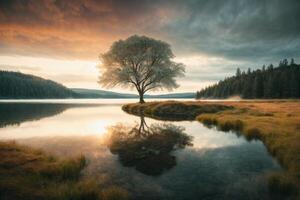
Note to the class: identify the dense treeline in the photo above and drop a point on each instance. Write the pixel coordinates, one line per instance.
(18, 85)
(268, 82)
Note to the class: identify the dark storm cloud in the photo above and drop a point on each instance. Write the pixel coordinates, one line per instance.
(237, 29)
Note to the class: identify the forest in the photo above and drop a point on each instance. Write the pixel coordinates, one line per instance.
(268, 82)
(18, 85)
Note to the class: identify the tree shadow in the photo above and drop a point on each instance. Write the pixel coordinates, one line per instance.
(147, 148)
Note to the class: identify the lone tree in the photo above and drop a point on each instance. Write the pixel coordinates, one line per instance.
(140, 62)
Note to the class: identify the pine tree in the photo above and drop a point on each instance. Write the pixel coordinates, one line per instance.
(268, 86)
(285, 62)
(292, 61)
(258, 89)
(285, 85)
(238, 72)
(293, 86)
(248, 71)
(270, 67)
(278, 82)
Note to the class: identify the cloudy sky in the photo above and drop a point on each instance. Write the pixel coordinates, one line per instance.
(62, 39)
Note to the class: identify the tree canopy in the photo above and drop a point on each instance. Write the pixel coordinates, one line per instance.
(140, 62)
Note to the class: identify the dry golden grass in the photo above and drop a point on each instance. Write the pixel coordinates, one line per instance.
(276, 123)
(173, 110)
(27, 173)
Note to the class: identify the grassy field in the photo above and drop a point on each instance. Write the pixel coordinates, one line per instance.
(31, 174)
(275, 123)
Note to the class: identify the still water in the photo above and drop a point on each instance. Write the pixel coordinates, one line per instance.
(152, 159)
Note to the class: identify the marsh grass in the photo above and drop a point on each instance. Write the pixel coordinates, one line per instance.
(280, 185)
(275, 123)
(82, 190)
(114, 193)
(173, 110)
(30, 174)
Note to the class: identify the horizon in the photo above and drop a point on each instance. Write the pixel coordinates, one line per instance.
(61, 40)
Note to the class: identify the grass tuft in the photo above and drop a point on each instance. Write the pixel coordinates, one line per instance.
(83, 190)
(31, 174)
(70, 169)
(253, 133)
(114, 193)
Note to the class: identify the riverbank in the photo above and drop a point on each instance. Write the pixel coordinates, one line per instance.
(275, 123)
(31, 174)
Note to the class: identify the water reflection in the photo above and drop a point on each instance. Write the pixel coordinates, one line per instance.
(147, 148)
(17, 113)
(219, 165)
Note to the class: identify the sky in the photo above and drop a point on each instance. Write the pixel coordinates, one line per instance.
(62, 39)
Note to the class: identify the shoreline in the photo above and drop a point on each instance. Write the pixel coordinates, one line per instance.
(275, 123)
(29, 173)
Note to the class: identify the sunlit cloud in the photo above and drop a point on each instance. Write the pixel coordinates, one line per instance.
(63, 39)
(71, 73)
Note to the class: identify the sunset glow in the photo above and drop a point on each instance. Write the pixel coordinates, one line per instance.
(62, 40)
(149, 99)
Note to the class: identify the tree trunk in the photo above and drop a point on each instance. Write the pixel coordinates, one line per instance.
(141, 97)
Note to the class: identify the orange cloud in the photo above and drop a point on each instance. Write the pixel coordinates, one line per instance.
(72, 29)
(53, 42)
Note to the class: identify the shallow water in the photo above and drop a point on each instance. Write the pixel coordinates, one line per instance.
(152, 159)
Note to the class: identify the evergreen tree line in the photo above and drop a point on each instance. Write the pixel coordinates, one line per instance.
(268, 82)
(18, 85)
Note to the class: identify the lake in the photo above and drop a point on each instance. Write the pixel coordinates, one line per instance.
(152, 159)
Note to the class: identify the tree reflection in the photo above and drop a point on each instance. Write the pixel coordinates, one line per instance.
(147, 148)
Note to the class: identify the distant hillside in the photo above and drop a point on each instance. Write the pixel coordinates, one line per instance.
(173, 95)
(280, 82)
(17, 85)
(88, 93)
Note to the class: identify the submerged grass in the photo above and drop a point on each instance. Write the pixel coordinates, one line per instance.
(275, 123)
(27, 173)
